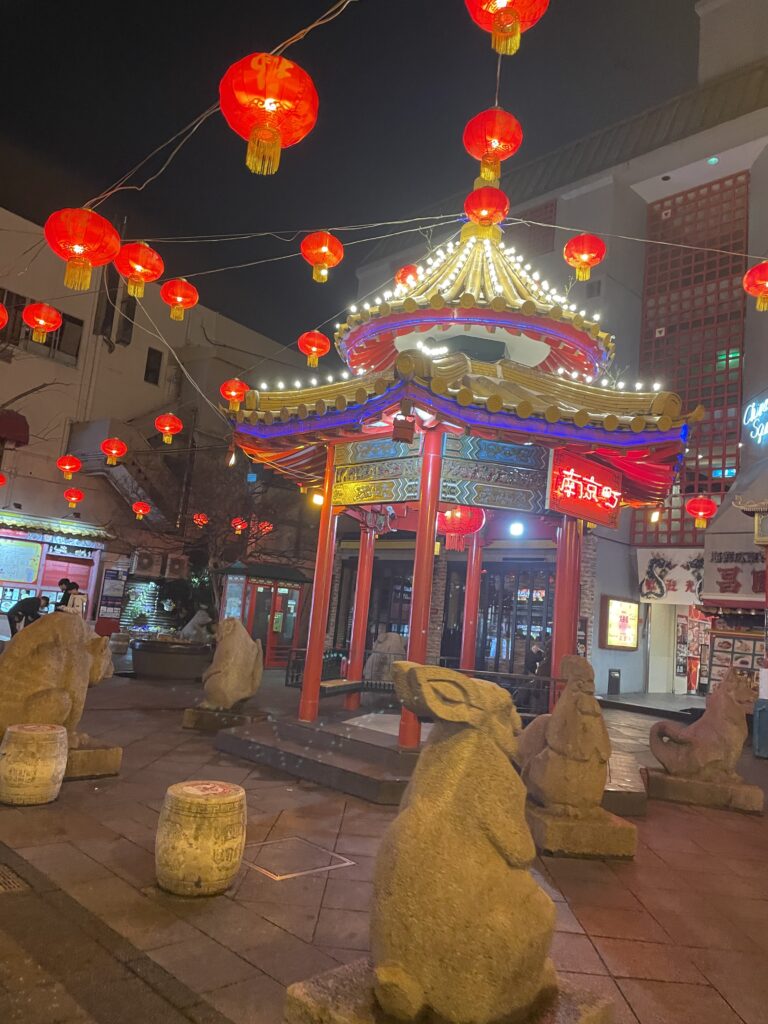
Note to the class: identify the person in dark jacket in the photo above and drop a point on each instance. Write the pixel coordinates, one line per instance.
(25, 611)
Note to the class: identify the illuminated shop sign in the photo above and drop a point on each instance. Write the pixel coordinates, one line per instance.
(584, 489)
(755, 419)
(619, 624)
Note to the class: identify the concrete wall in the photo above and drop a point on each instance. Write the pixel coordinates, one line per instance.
(732, 33)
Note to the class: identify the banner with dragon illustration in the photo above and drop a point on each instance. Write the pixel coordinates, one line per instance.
(670, 575)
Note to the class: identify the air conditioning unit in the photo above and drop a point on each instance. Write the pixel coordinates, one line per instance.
(177, 567)
(147, 563)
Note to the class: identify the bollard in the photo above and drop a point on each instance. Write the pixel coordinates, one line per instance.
(32, 763)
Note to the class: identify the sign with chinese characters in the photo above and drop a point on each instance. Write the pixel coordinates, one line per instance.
(670, 575)
(492, 474)
(584, 489)
(755, 420)
(734, 570)
(379, 471)
(19, 560)
(619, 624)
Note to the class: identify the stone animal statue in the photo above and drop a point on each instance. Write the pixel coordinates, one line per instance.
(709, 749)
(460, 931)
(564, 756)
(45, 672)
(235, 673)
(387, 648)
(195, 629)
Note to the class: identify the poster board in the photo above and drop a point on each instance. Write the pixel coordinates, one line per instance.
(619, 623)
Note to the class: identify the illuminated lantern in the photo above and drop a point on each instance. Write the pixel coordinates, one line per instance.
(238, 525)
(272, 103)
(139, 264)
(486, 205)
(42, 319)
(168, 425)
(506, 20)
(234, 391)
(459, 523)
(314, 344)
(200, 519)
(85, 240)
(73, 496)
(584, 252)
(141, 509)
(180, 295)
(69, 464)
(322, 250)
(756, 283)
(114, 449)
(3, 316)
(265, 527)
(491, 137)
(407, 276)
(3, 479)
(702, 509)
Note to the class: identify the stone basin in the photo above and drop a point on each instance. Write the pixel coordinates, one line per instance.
(167, 659)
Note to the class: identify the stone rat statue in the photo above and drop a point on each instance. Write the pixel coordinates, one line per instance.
(459, 927)
(235, 673)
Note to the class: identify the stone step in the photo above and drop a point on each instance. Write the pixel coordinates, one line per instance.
(625, 793)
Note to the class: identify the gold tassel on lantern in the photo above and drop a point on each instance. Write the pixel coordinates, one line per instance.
(177, 312)
(320, 273)
(583, 272)
(264, 145)
(762, 302)
(312, 360)
(490, 168)
(136, 287)
(77, 275)
(505, 37)
(38, 335)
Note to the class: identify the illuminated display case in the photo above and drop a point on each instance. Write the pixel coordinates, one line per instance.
(619, 624)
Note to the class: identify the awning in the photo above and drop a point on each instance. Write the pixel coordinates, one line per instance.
(266, 571)
(54, 527)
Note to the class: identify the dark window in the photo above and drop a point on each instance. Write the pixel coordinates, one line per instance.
(62, 345)
(153, 366)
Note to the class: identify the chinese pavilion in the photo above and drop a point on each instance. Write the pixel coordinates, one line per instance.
(471, 389)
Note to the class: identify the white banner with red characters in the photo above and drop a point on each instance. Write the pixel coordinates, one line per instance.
(670, 575)
(734, 570)
(584, 489)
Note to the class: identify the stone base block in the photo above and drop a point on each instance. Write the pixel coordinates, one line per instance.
(345, 996)
(732, 796)
(93, 762)
(213, 720)
(600, 835)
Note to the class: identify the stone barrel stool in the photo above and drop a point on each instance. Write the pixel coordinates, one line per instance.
(33, 759)
(200, 838)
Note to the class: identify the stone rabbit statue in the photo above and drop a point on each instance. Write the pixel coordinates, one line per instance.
(460, 930)
(235, 673)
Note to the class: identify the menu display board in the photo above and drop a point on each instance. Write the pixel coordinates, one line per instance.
(20, 560)
(619, 624)
(729, 649)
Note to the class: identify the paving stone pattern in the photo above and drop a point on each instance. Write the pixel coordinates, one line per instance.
(680, 934)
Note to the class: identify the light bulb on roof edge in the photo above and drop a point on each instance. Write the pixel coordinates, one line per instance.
(353, 309)
(377, 300)
(638, 386)
(329, 378)
(280, 385)
(656, 386)
(297, 383)
(264, 386)
(344, 375)
(621, 385)
(604, 382)
(560, 370)
(366, 305)
(313, 381)
(588, 379)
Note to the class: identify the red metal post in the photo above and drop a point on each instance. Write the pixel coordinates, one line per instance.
(360, 613)
(321, 596)
(567, 587)
(423, 565)
(471, 604)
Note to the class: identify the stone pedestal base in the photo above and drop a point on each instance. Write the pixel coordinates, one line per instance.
(735, 796)
(32, 760)
(600, 835)
(93, 762)
(213, 720)
(345, 996)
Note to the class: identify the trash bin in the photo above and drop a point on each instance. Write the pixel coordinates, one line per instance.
(614, 681)
(760, 728)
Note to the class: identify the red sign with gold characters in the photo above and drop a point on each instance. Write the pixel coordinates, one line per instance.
(584, 489)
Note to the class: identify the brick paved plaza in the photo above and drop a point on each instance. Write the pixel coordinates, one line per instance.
(680, 934)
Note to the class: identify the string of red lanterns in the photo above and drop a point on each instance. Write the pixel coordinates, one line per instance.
(407, 276)
(314, 345)
(42, 319)
(139, 264)
(459, 523)
(69, 464)
(756, 284)
(3, 479)
(322, 251)
(168, 425)
(200, 519)
(583, 253)
(486, 206)
(238, 525)
(114, 449)
(73, 496)
(506, 20)
(3, 316)
(84, 239)
(490, 137)
(234, 391)
(180, 295)
(702, 509)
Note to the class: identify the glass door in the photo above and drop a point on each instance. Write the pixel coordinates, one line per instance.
(285, 604)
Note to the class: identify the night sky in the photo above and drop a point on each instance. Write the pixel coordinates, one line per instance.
(91, 88)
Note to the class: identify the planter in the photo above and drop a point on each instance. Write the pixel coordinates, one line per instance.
(163, 659)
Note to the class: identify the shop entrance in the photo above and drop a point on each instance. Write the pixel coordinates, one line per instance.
(270, 614)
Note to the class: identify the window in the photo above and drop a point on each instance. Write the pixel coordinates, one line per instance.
(62, 345)
(153, 366)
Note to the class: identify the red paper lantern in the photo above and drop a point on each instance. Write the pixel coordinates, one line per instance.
(42, 318)
(141, 509)
(506, 20)
(3, 479)
(139, 264)
(322, 250)
(114, 449)
(238, 525)
(272, 103)
(73, 496)
(85, 240)
(584, 252)
(702, 509)
(168, 425)
(756, 283)
(314, 345)
(264, 527)
(180, 295)
(200, 519)
(459, 523)
(3, 316)
(69, 464)
(490, 137)
(407, 276)
(486, 206)
(234, 391)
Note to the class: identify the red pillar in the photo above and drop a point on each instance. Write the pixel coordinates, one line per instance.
(471, 604)
(423, 565)
(567, 587)
(360, 613)
(321, 596)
